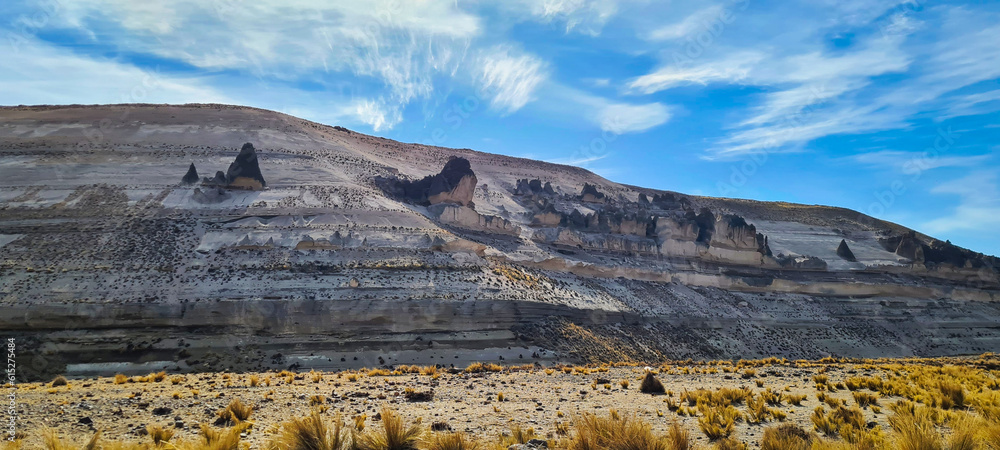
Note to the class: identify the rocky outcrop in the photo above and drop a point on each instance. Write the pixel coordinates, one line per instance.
(734, 233)
(218, 180)
(210, 195)
(455, 184)
(845, 252)
(803, 262)
(590, 194)
(676, 228)
(191, 177)
(533, 187)
(468, 218)
(244, 172)
(547, 217)
(595, 241)
(308, 243)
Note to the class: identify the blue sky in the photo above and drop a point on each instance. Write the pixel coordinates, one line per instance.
(892, 109)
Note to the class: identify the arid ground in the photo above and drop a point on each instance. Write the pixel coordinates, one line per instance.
(486, 402)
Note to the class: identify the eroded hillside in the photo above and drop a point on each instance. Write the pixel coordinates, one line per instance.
(153, 236)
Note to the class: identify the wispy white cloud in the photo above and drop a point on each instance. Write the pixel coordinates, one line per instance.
(700, 20)
(733, 68)
(584, 16)
(620, 118)
(578, 161)
(37, 73)
(978, 207)
(913, 162)
(509, 78)
(400, 45)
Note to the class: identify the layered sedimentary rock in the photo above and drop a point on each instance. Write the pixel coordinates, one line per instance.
(359, 252)
(468, 218)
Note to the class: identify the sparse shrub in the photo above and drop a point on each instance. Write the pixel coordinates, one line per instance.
(913, 427)
(718, 423)
(159, 435)
(236, 412)
(176, 380)
(616, 432)
(157, 377)
(748, 374)
(450, 441)
(59, 381)
(317, 399)
(254, 380)
(678, 438)
(756, 410)
(413, 395)
(865, 399)
(650, 385)
(394, 436)
(623, 384)
(795, 399)
(772, 398)
(51, 441)
(480, 367)
(786, 437)
(311, 433)
(953, 395)
(517, 435)
(729, 444)
(120, 379)
(221, 440)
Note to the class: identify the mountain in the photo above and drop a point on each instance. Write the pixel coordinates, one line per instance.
(363, 251)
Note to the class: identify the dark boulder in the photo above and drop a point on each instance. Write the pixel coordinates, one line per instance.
(245, 170)
(845, 252)
(456, 183)
(191, 177)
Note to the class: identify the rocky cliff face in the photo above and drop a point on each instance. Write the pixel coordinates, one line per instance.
(360, 250)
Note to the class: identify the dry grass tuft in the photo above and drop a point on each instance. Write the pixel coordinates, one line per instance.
(159, 435)
(311, 433)
(236, 412)
(395, 434)
(616, 432)
(786, 437)
(449, 441)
